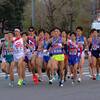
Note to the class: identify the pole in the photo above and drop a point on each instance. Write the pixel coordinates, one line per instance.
(33, 12)
(71, 15)
(42, 13)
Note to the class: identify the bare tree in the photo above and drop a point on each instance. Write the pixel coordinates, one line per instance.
(66, 14)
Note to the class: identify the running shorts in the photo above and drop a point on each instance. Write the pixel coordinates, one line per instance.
(9, 58)
(96, 53)
(72, 60)
(18, 56)
(46, 58)
(59, 57)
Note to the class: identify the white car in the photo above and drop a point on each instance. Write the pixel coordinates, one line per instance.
(96, 25)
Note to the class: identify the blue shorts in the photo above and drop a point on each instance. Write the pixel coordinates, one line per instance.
(73, 59)
(26, 59)
(46, 58)
(79, 58)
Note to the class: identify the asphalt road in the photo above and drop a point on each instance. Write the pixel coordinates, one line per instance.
(86, 90)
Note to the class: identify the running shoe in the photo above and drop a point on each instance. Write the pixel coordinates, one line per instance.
(73, 82)
(11, 84)
(20, 82)
(6, 77)
(24, 82)
(97, 77)
(51, 79)
(68, 76)
(40, 79)
(79, 80)
(35, 80)
(61, 83)
(93, 77)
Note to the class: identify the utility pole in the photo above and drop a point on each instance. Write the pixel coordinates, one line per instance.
(42, 13)
(94, 9)
(71, 15)
(33, 12)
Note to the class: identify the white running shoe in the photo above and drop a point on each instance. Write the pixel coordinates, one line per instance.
(50, 81)
(79, 80)
(11, 84)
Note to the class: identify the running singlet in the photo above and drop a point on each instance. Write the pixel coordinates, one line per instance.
(56, 46)
(95, 44)
(32, 43)
(5, 47)
(5, 50)
(40, 47)
(80, 41)
(18, 46)
(72, 49)
(45, 45)
(40, 44)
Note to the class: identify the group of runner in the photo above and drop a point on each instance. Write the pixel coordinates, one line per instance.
(58, 53)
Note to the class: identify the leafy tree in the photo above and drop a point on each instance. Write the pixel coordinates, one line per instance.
(11, 12)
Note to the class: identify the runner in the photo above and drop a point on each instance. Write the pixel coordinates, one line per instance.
(57, 58)
(11, 60)
(96, 52)
(4, 64)
(73, 56)
(18, 53)
(31, 40)
(39, 57)
(91, 68)
(46, 55)
(81, 40)
(64, 38)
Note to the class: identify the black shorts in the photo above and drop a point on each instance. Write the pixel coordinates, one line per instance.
(96, 53)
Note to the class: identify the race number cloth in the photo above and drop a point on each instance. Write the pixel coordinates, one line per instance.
(18, 46)
(56, 46)
(72, 48)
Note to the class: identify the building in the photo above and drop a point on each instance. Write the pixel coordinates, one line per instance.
(98, 8)
(96, 14)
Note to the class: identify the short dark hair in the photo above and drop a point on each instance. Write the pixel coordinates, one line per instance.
(41, 30)
(72, 33)
(47, 32)
(57, 28)
(92, 30)
(5, 33)
(24, 33)
(80, 28)
(65, 31)
(31, 29)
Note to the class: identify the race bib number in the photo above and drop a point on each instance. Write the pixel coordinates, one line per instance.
(57, 51)
(18, 47)
(46, 53)
(73, 52)
(95, 47)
